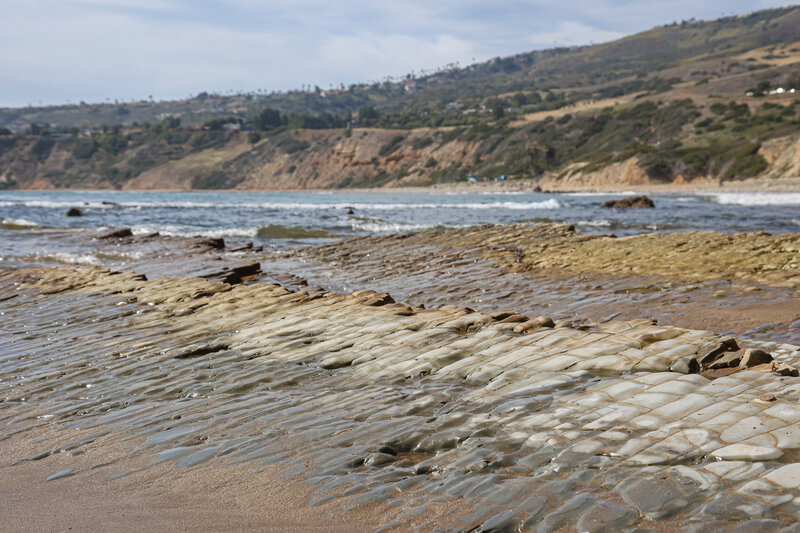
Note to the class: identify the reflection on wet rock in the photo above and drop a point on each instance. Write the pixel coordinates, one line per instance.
(531, 423)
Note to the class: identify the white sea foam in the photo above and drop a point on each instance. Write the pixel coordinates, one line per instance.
(390, 227)
(757, 198)
(552, 203)
(17, 222)
(594, 223)
(55, 205)
(75, 259)
(627, 193)
(546, 204)
(182, 231)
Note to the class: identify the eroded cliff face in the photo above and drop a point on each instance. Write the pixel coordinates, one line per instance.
(623, 173)
(783, 156)
(328, 159)
(365, 158)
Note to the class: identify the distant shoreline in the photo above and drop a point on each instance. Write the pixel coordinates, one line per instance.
(753, 185)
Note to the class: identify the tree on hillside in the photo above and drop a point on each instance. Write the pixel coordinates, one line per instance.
(269, 119)
(368, 116)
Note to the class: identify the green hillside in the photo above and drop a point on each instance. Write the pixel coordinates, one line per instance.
(689, 99)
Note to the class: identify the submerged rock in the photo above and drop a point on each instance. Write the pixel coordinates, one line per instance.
(116, 234)
(213, 243)
(632, 202)
(74, 212)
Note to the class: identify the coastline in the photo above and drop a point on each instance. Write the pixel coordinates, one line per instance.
(750, 185)
(202, 373)
(388, 413)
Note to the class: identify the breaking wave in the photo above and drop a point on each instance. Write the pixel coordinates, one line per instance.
(17, 223)
(756, 198)
(552, 203)
(399, 227)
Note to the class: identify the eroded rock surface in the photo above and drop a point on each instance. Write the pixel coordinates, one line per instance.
(745, 284)
(536, 427)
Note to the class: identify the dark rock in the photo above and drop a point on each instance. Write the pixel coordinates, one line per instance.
(209, 242)
(239, 247)
(74, 212)
(755, 357)
(116, 234)
(710, 353)
(232, 274)
(727, 360)
(350, 211)
(632, 202)
(537, 189)
(685, 365)
(784, 370)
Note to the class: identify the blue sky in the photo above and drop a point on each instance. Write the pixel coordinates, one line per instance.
(58, 51)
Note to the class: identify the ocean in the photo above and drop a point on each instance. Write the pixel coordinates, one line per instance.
(34, 225)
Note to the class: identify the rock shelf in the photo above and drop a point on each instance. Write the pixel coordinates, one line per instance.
(531, 424)
(745, 284)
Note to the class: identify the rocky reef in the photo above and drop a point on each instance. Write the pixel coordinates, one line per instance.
(513, 422)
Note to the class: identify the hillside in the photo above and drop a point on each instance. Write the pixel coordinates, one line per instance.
(685, 101)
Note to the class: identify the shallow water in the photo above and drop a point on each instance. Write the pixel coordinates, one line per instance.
(371, 403)
(35, 230)
(259, 215)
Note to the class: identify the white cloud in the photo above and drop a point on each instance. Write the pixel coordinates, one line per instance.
(58, 50)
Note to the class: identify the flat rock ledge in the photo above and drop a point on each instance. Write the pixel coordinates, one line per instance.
(536, 425)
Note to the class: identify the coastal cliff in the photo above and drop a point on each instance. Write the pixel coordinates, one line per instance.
(696, 102)
(332, 159)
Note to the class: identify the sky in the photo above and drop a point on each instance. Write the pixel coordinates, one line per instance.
(65, 51)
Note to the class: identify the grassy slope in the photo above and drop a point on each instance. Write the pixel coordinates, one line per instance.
(647, 96)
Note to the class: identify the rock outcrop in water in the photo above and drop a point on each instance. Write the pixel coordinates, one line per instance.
(526, 424)
(632, 202)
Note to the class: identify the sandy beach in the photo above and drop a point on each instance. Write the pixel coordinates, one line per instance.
(265, 400)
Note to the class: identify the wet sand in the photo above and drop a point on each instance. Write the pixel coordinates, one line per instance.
(235, 402)
(208, 497)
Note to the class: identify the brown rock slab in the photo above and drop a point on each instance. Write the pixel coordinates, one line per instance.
(753, 358)
(632, 202)
(116, 234)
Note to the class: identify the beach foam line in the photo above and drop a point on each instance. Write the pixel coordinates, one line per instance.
(551, 203)
(602, 223)
(183, 231)
(73, 258)
(400, 227)
(756, 198)
(626, 193)
(57, 205)
(17, 223)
